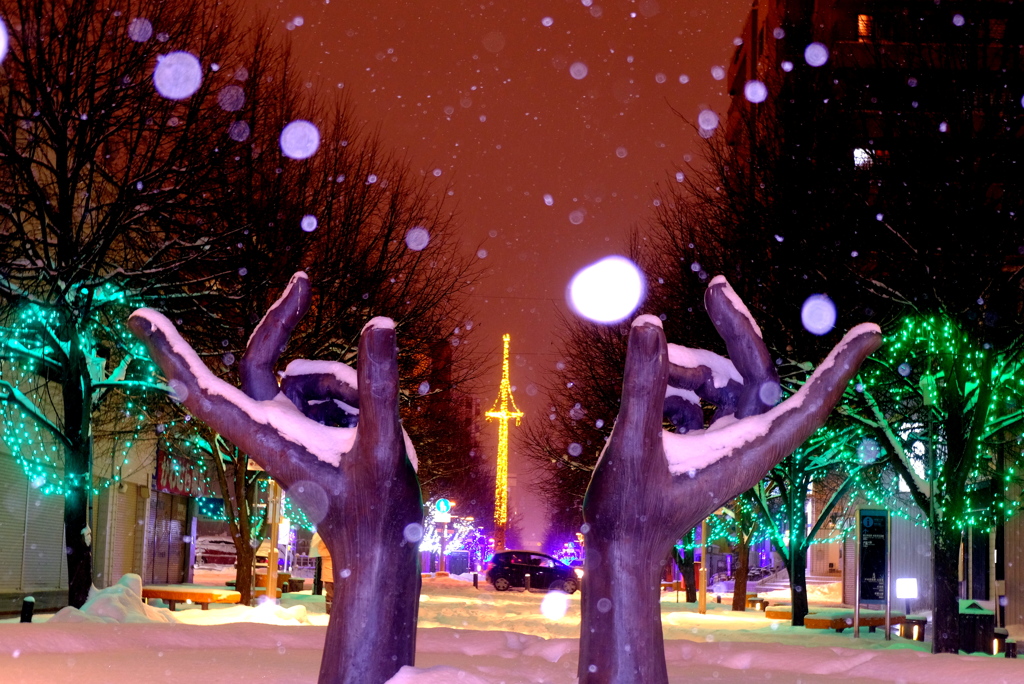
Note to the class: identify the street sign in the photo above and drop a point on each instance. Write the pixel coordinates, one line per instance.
(442, 518)
(443, 506)
(872, 533)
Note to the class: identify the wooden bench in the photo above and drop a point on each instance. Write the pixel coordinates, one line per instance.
(174, 594)
(256, 590)
(780, 613)
(757, 603)
(839, 622)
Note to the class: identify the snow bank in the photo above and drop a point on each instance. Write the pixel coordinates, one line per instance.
(121, 603)
(465, 636)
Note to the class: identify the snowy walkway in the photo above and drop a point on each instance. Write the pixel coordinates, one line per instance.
(466, 638)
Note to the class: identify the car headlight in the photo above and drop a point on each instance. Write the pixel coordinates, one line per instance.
(579, 572)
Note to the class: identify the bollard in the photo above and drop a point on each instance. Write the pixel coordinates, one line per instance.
(476, 584)
(1011, 649)
(527, 581)
(28, 605)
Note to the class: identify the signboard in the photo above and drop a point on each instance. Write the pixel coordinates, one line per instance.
(872, 537)
(443, 511)
(176, 476)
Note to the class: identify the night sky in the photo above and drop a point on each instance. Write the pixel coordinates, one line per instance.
(549, 171)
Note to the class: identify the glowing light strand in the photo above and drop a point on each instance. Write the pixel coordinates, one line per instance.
(503, 411)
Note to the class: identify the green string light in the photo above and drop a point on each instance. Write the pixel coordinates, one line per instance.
(34, 356)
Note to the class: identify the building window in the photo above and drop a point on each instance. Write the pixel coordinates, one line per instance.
(996, 30)
(865, 28)
(864, 158)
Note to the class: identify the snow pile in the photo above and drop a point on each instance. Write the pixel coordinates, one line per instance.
(121, 603)
(272, 613)
(830, 592)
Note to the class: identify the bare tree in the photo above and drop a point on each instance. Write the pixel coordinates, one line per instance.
(105, 187)
(565, 441)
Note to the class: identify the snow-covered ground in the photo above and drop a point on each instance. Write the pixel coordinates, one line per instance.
(466, 636)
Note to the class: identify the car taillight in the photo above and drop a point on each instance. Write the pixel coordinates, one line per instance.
(488, 566)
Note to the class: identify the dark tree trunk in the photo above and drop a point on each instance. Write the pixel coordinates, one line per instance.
(688, 567)
(690, 572)
(946, 572)
(741, 557)
(685, 563)
(245, 555)
(76, 520)
(797, 567)
(76, 394)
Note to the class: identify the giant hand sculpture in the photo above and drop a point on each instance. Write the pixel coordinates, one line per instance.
(358, 484)
(651, 486)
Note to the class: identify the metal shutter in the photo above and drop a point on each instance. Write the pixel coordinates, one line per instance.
(124, 529)
(45, 562)
(164, 534)
(13, 501)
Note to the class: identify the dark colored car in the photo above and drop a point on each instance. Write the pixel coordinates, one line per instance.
(507, 569)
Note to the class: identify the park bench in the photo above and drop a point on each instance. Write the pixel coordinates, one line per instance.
(757, 603)
(179, 593)
(781, 613)
(841, 620)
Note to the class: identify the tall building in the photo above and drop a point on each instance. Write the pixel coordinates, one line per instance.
(867, 128)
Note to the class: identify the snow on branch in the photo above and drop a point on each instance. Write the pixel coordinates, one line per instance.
(12, 395)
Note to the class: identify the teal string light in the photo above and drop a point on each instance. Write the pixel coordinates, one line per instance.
(35, 347)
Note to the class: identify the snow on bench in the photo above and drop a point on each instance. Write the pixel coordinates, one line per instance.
(840, 619)
(836, 618)
(196, 593)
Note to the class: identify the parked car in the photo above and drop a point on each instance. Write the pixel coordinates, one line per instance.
(507, 569)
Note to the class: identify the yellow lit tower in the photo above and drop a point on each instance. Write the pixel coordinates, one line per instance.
(504, 410)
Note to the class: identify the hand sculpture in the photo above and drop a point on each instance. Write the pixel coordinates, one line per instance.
(358, 484)
(651, 486)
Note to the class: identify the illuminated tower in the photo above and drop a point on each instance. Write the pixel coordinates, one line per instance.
(504, 410)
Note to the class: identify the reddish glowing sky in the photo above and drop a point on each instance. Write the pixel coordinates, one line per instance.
(485, 91)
